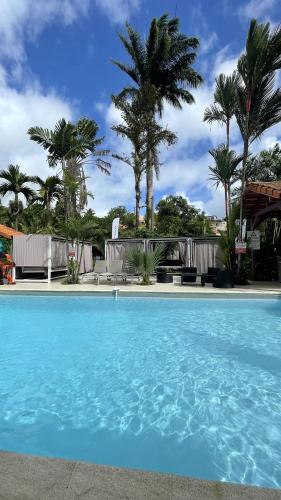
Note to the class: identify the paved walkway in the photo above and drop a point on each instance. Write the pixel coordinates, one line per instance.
(269, 288)
(23, 477)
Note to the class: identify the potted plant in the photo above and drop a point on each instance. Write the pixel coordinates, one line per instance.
(225, 277)
(145, 262)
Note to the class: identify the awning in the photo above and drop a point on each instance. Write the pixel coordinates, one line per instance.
(262, 200)
(8, 232)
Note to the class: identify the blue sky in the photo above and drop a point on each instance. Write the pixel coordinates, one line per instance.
(55, 60)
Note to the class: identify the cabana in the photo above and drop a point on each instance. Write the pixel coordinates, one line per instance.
(44, 257)
(262, 200)
(200, 252)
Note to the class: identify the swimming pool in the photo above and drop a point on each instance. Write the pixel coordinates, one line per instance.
(186, 386)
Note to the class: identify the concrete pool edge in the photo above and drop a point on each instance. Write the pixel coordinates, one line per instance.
(30, 478)
(144, 294)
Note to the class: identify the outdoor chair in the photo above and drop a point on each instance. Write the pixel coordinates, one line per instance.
(115, 269)
(100, 271)
(211, 275)
(188, 275)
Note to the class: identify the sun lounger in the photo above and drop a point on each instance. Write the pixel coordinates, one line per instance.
(115, 270)
(100, 271)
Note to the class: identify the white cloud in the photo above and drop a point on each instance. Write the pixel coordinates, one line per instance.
(209, 42)
(257, 8)
(20, 110)
(225, 62)
(23, 20)
(118, 11)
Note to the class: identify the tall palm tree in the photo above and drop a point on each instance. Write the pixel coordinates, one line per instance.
(161, 70)
(145, 137)
(71, 146)
(258, 102)
(50, 190)
(223, 109)
(226, 163)
(16, 183)
(132, 129)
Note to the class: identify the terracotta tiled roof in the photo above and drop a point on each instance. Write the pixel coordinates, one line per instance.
(271, 189)
(8, 232)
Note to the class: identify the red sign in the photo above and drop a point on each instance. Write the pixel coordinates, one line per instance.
(240, 247)
(71, 253)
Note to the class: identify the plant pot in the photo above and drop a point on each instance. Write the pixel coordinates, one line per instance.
(279, 268)
(163, 277)
(224, 279)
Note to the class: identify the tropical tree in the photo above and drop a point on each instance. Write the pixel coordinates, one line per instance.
(223, 173)
(265, 166)
(161, 70)
(223, 109)
(50, 190)
(145, 135)
(226, 163)
(78, 229)
(176, 217)
(258, 101)
(71, 146)
(16, 183)
(145, 262)
(132, 129)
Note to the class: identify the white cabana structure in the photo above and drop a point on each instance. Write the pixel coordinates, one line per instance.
(44, 257)
(200, 252)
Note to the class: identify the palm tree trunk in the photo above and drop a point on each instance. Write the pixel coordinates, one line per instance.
(243, 182)
(149, 195)
(16, 210)
(66, 215)
(227, 133)
(138, 199)
(229, 200)
(227, 221)
(79, 259)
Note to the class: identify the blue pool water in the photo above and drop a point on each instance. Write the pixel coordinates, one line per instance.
(187, 386)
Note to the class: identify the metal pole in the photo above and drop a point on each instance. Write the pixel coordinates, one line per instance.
(49, 259)
(14, 267)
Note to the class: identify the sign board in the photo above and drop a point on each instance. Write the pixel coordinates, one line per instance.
(115, 228)
(254, 240)
(71, 252)
(240, 247)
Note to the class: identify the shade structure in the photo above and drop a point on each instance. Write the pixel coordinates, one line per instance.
(262, 200)
(200, 252)
(46, 256)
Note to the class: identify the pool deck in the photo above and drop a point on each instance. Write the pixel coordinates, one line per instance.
(23, 477)
(255, 288)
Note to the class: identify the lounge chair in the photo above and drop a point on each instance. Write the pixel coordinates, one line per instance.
(100, 271)
(115, 269)
(188, 275)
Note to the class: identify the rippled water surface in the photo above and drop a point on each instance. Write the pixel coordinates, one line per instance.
(188, 386)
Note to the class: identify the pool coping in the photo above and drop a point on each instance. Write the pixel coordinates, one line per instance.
(26, 477)
(242, 295)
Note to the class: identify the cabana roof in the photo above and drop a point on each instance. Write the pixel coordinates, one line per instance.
(8, 232)
(262, 200)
